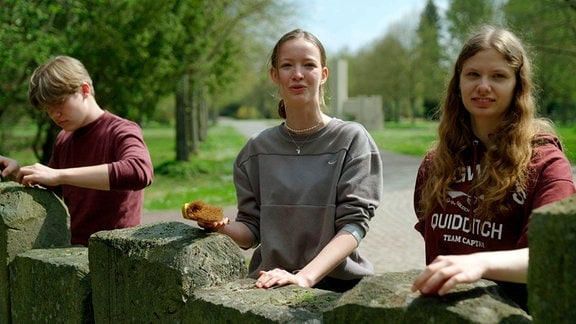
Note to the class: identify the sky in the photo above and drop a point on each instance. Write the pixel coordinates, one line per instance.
(353, 24)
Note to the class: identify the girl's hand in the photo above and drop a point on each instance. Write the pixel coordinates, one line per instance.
(279, 277)
(214, 226)
(445, 272)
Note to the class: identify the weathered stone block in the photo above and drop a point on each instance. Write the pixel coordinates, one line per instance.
(148, 273)
(242, 302)
(387, 298)
(51, 286)
(552, 265)
(383, 298)
(30, 218)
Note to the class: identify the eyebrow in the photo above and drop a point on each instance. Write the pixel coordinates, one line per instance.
(502, 70)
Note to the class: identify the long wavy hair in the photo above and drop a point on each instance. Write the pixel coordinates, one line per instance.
(505, 166)
(296, 34)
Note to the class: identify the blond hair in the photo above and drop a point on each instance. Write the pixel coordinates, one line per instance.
(57, 79)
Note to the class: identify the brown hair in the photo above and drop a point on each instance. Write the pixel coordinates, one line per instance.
(295, 34)
(55, 80)
(505, 164)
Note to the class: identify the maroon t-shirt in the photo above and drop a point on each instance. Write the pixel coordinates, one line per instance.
(108, 140)
(454, 230)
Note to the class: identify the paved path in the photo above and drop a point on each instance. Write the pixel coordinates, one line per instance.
(392, 244)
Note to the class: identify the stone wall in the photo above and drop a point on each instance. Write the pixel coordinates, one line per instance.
(552, 275)
(149, 273)
(51, 286)
(30, 218)
(366, 110)
(169, 272)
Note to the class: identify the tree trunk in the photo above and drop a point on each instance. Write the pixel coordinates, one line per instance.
(182, 152)
(43, 144)
(193, 119)
(203, 120)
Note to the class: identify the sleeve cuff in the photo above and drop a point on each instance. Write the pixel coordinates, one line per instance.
(356, 230)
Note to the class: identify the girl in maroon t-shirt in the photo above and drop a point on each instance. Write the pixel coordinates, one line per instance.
(494, 163)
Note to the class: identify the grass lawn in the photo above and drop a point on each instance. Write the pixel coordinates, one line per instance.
(406, 138)
(568, 137)
(207, 176)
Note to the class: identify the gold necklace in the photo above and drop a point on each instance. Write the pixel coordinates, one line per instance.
(299, 147)
(298, 131)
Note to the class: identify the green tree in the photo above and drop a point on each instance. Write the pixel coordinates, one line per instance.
(385, 69)
(138, 52)
(122, 44)
(550, 27)
(129, 47)
(25, 38)
(213, 61)
(462, 16)
(430, 58)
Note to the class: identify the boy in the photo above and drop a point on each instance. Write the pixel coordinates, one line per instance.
(100, 164)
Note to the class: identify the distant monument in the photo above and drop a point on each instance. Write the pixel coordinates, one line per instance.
(366, 110)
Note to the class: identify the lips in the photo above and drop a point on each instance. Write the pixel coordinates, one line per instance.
(62, 123)
(297, 88)
(483, 102)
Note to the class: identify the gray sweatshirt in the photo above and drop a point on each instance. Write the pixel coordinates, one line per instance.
(295, 202)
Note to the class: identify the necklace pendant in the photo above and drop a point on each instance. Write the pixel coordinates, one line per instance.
(298, 150)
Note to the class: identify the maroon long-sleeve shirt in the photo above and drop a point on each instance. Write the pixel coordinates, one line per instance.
(108, 140)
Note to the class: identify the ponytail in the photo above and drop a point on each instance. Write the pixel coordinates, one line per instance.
(282, 109)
